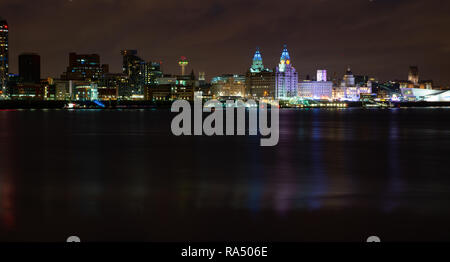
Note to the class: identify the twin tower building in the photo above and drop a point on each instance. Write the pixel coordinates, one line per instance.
(265, 83)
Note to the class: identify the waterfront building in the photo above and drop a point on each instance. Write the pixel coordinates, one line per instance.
(84, 67)
(84, 91)
(152, 71)
(30, 68)
(429, 95)
(113, 86)
(4, 56)
(349, 79)
(257, 66)
(321, 75)
(349, 90)
(414, 81)
(259, 81)
(320, 89)
(228, 85)
(26, 91)
(286, 78)
(184, 88)
(135, 69)
(169, 88)
(63, 89)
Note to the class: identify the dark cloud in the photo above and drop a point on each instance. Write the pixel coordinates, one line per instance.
(380, 37)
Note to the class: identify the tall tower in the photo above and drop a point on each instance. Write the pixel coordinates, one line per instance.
(257, 65)
(285, 59)
(4, 56)
(286, 77)
(134, 68)
(183, 64)
(413, 75)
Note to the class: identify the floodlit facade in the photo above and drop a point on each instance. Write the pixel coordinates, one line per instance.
(257, 65)
(286, 78)
(228, 85)
(418, 94)
(259, 81)
(315, 89)
(349, 90)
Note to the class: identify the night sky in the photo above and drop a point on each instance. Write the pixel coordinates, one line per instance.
(380, 38)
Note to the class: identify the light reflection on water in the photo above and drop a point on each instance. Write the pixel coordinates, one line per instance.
(108, 164)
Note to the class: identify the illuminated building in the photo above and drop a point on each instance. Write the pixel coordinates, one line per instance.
(260, 85)
(134, 68)
(349, 79)
(4, 55)
(84, 91)
(30, 68)
(228, 85)
(152, 72)
(321, 75)
(184, 87)
(320, 89)
(112, 86)
(257, 65)
(259, 81)
(286, 78)
(429, 95)
(413, 80)
(413, 76)
(169, 88)
(183, 62)
(63, 90)
(84, 67)
(349, 90)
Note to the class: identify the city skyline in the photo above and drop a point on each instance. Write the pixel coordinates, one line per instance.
(331, 36)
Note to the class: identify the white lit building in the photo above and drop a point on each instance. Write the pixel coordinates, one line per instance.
(348, 90)
(320, 89)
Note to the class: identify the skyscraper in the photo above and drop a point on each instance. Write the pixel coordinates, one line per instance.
(4, 61)
(30, 68)
(134, 68)
(286, 77)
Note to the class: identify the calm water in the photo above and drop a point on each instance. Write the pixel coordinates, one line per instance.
(336, 175)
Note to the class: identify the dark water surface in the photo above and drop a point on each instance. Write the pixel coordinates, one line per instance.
(336, 175)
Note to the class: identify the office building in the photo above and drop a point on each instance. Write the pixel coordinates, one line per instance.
(259, 81)
(84, 67)
(134, 68)
(228, 85)
(320, 89)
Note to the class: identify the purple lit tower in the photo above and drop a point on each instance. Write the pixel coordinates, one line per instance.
(286, 78)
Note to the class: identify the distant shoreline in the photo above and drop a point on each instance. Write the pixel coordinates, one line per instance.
(34, 104)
